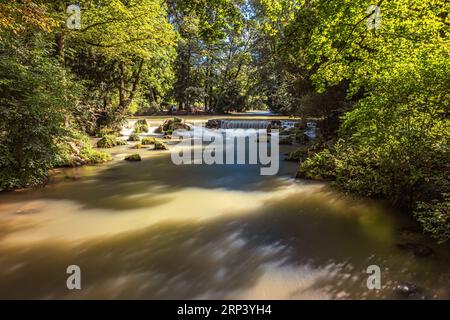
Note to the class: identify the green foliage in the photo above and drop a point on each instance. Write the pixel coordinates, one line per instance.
(108, 141)
(75, 149)
(298, 155)
(107, 132)
(319, 166)
(34, 99)
(435, 217)
(395, 139)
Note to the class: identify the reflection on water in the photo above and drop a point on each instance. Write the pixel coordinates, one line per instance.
(155, 230)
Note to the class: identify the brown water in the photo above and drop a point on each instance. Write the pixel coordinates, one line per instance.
(153, 230)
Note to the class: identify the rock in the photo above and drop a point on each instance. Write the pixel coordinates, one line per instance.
(159, 145)
(418, 249)
(406, 289)
(108, 141)
(134, 137)
(73, 146)
(134, 157)
(170, 125)
(213, 124)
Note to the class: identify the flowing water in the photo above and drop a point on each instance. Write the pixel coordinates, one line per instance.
(153, 230)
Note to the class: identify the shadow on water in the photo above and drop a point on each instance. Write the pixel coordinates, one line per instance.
(322, 251)
(150, 183)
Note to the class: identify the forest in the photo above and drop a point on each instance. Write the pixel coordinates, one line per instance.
(376, 74)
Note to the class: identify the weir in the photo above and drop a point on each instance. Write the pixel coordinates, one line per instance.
(244, 124)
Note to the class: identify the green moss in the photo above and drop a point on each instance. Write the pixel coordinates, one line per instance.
(138, 146)
(298, 155)
(134, 157)
(134, 137)
(170, 125)
(108, 141)
(94, 156)
(148, 141)
(159, 145)
(319, 166)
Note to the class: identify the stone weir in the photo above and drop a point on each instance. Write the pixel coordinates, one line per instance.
(249, 124)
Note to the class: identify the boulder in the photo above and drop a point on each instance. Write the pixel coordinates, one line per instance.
(134, 137)
(134, 157)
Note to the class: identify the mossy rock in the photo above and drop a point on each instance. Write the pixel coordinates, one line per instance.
(286, 132)
(138, 146)
(134, 157)
(170, 125)
(159, 145)
(76, 150)
(298, 155)
(121, 142)
(108, 141)
(287, 140)
(141, 126)
(134, 137)
(148, 141)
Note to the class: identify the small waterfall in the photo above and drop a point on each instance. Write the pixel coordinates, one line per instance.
(244, 124)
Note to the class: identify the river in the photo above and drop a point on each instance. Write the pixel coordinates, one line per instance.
(153, 230)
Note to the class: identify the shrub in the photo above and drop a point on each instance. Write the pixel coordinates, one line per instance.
(76, 149)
